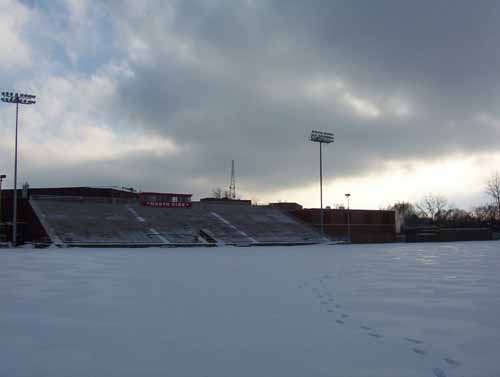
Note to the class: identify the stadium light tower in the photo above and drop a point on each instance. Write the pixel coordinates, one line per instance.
(321, 138)
(23, 99)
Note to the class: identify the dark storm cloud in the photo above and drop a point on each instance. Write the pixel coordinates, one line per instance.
(441, 57)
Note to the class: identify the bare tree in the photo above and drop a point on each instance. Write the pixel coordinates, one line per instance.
(456, 215)
(485, 212)
(403, 212)
(405, 209)
(433, 207)
(217, 193)
(493, 190)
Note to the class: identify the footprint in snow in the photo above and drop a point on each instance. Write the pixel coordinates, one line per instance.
(419, 351)
(452, 362)
(438, 372)
(412, 340)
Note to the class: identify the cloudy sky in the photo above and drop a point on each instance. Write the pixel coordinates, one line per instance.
(162, 95)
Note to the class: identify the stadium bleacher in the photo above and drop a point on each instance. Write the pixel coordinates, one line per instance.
(84, 221)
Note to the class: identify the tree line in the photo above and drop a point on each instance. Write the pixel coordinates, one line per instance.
(437, 210)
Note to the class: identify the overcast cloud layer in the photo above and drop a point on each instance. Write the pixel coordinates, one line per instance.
(162, 95)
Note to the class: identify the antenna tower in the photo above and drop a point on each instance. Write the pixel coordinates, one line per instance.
(232, 184)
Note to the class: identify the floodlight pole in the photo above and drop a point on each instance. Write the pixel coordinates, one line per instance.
(14, 217)
(327, 138)
(23, 99)
(2, 176)
(321, 218)
(348, 196)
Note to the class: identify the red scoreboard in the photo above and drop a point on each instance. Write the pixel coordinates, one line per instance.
(165, 200)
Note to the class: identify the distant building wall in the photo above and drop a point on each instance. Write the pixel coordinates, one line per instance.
(226, 201)
(83, 191)
(286, 206)
(436, 234)
(29, 228)
(366, 226)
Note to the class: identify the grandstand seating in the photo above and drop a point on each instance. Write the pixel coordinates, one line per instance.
(84, 221)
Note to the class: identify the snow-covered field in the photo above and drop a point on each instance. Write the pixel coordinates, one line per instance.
(376, 310)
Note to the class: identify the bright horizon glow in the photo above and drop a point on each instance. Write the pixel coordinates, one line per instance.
(459, 179)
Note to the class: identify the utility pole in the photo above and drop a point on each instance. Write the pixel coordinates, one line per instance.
(23, 99)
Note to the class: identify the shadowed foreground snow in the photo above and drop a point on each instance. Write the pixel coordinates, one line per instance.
(376, 310)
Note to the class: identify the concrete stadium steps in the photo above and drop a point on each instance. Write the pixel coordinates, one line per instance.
(171, 221)
(266, 225)
(84, 221)
(75, 221)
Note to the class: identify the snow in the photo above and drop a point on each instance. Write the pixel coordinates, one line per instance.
(326, 310)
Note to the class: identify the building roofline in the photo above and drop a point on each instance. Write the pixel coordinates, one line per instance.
(163, 193)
